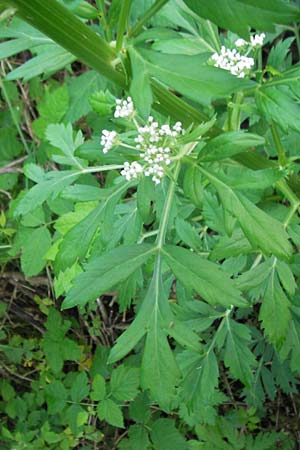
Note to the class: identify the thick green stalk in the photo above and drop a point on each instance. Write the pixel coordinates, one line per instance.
(57, 22)
(167, 208)
(123, 20)
(280, 150)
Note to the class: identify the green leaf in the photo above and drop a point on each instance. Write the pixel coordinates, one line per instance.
(138, 439)
(124, 383)
(56, 396)
(291, 345)
(80, 387)
(77, 241)
(49, 61)
(165, 435)
(234, 245)
(102, 102)
(262, 231)
(106, 271)
(238, 357)
(110, 412)
(193, 185)
(61, 137)
(275, 311)
(53, 19)
(188, 234)
(240, 15)
(192, 78)
(52, 108)
(34, 250)
(145, 197)
(200, 376)
(279, 104)
(99, 389)
(53, 183)
(160, 373)
(204, 277)
(140, 85)
(80, 90)
(229, 144)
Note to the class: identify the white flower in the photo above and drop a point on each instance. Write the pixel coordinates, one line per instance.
(233, 61)
(124, 108)
(131, 170)
(108, 140)
(257, 40)
(240, 42)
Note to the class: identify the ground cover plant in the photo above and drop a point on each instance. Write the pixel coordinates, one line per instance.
(150, 224)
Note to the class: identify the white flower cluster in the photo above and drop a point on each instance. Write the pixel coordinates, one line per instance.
(255, 41)
(108, 140)
(124, 108)
(131, 170)
(153, 144)
(233, 61)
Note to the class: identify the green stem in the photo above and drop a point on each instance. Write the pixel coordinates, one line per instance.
(123, 20)
(148, 14)
(235, 112)
(58, 23)
(296, 32)
(14, 118)
(160, 240)
(280, 150)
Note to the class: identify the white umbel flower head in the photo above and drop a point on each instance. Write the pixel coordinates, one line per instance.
(233, 61)
(257, 40)
(124, 108)
(131, 170)
(240, 42)
(108, 140)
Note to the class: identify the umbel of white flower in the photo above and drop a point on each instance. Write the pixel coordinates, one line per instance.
(234, 61)
(153, 144)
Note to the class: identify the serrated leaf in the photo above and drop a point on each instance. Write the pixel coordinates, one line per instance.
(238, 356)
(105, 272)
(200, 376)
(191, 77)
(99, 389)
(138, 439)
(229, 144)
(49, 61)
(188, 234)
(140, 84)
(234, 245)
(80, 89)
(203, 276)
(102, 102)
(34, 250)
(61, 137)
(279, 104)
(275, 311)
(124, 383)
(110, 412)
(165, 435)
(53, 183)
(262, 231)
(56, 396)
(80, 387)
(257, 14)
(77, 241)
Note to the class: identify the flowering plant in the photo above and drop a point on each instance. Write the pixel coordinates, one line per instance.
(184, 217)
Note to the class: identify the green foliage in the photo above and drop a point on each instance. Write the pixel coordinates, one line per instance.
(172, 248)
